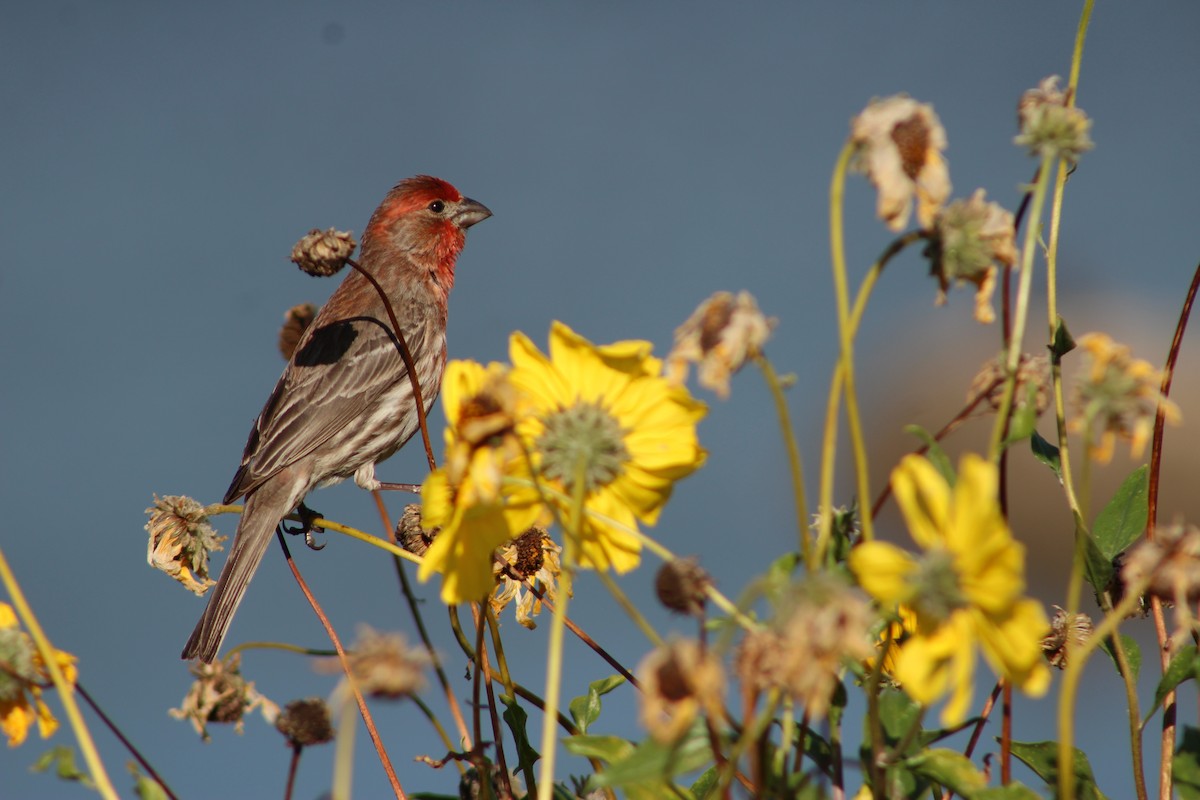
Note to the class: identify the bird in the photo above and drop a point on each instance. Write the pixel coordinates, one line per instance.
(344, 402)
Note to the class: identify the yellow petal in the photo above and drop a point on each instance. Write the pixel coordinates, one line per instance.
(1012, 646)
(8, 618)
(924, 499)
(16, 717)
(883, 571)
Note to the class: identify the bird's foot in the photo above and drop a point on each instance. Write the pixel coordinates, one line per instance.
(308, 526)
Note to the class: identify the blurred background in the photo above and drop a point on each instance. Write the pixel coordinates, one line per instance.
(159, 161)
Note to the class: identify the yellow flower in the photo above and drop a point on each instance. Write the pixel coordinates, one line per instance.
(605, 414)
(21, 680)
(967, 589)
(471, 498)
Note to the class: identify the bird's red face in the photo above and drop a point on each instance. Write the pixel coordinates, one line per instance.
(427, 217)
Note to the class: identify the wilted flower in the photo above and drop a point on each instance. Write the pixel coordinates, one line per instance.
(221, 695)
(323, 253)
(382, 664)
(533, 563)
(23, 673)
(1049, 126)
(720, 335)
(305, 722)
(899, 144)
(181, 540)
(679, 680)
(1169, 567)
(681, 585)
(1119, 393)
(411, 534)
(966, 590)
(972, 237)
(295, 322)
(822, 625)
(1033, 377)
(1067, 632)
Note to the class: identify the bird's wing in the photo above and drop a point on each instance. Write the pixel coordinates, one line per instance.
(332, 381)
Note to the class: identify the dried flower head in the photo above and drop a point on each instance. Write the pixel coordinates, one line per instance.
(823, 624)
(679, 680)
(1050, 127)
(295, 322)
(411, 534)
(1119, 394)
(1033, 380)
(221, 695)
(323, 253)
(1169, 567)
(899, 144)
(971, 238)
(383, 664)
(305, 722)
(1067, 632)
(181, 540)
(533, 563)
(471, 785)
(23, 673)
(720, 336)
(682, 586)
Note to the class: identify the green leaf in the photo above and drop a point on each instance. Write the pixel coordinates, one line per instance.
(1184, 666)
(706, 783)
(1062, 342)
(1123, 520)
(585, 709)
(949, 768)
(1186, 765)
(62, 760)
(515, 717)
(1097, 569)
(1133, 654)
(652, 765)
(1023, 422)
(897, 713)
(1014, 791)
(1042, 758)
(605, 748)
(936, 455)
(144, 787)
(1046, 453)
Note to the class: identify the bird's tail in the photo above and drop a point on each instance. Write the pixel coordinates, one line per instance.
(265, 507)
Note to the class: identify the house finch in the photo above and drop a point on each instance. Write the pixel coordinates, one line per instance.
(345, 402)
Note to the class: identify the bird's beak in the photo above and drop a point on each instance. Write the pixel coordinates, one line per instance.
(469, 212)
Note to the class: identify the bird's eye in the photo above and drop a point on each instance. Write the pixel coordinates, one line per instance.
(437, 206)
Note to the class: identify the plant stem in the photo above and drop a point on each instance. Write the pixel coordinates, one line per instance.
(793, 452)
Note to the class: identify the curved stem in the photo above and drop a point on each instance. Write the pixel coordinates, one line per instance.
(793, 452)
(66, 692)
(630, 609)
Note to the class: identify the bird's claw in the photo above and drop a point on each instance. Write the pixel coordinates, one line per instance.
(308, 526)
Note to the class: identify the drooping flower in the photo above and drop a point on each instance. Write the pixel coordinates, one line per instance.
(1168, 566)
(1050, 126)
(482, 496)
(679, 680)
(23, 675)
(1067, 632)
(971, 238)
(1033, 381)
(720, 336)
(384, 665)
(323, 253)
(899, 144)
(967, 589)
(604, 421)
(181, 540)
(1120, 395)
(220, 694)
(681, 585)
(532, 561)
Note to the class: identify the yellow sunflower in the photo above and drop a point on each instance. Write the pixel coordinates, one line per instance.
(21, 703)
(966, 589)
(605, 414)
(471, 498)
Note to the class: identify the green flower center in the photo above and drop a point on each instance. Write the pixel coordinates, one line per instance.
(938, 592)
(584, 434)
(16, 656)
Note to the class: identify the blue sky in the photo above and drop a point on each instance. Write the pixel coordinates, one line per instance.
(160, 160)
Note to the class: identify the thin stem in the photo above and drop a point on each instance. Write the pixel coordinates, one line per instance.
(629, 608)
(337, 644)
(795, 466)
(66, 692)
(978, 731)
(414, 610)
(1167, 740)
(1135, 717)
(406, 357)
(293, 768)
(846, 339)
(343, 757)
(112, 726)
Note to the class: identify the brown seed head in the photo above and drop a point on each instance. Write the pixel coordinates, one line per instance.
(305, 722)
(681, 586)
(323, 253)
(295, 322)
